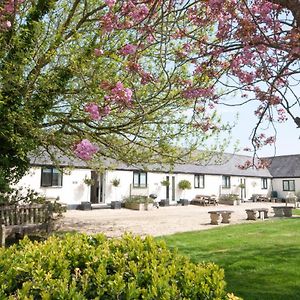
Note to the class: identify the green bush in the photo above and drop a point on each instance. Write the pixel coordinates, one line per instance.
(229, 197)
(93, 267)
(184, 185)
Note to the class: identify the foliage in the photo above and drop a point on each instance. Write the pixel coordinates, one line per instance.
(259, 259)
(241, 185)
(28, 196)
(184, 185)
(229, 197)
(21, 195)
(72, 81)
(115, 182)
(93, 267)
(296, 212)
(88, 181)
(165, 183)
(138, 199)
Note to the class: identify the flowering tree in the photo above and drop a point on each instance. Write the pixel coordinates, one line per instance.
(254, 49)
(124, 79)
(89, 78)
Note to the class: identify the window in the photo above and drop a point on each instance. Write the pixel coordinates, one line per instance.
(264, 183)
(225, 182)
(199, 181)
(140, 179)
(288, 185)
(51, 177)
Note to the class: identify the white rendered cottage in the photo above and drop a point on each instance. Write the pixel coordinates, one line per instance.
(73, 185)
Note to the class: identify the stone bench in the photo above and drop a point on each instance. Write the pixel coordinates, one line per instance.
(282, 211)
(18, 219)
(215, 216)
(252, 213)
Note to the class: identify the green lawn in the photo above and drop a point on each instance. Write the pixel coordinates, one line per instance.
(261, 260)
(296, 212)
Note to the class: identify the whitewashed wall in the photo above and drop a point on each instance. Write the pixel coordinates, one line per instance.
(212, 186)
(73, 190)
(123, 190)
(253, 186)
(278, 186)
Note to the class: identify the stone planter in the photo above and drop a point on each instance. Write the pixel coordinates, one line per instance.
(139, 206)
(230, 202)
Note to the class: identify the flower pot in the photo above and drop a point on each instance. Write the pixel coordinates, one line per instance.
(85, 206)
(164, 202)
(115, 204)
(184, 202)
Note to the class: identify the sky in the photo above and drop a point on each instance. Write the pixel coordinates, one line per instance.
(288, 134)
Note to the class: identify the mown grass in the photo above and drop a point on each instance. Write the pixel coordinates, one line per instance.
(261, 260)
(296, 212)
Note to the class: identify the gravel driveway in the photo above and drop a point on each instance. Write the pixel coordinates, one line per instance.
(156, 222)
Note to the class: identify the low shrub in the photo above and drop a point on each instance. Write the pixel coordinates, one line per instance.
(229, 197)
(92, 267)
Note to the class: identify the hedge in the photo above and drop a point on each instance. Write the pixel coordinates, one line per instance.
(78, 266)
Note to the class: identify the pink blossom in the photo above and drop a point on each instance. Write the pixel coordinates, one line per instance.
(110, 3)
(7, 24)
(98, 52)
(121, 95)
(85, 149)
(93, 110)
(109, 22)
(198, 92)
(128, 49)
(139, 13)
(105, 111)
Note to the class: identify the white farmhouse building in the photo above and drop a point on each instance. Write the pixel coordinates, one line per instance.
(72, 185)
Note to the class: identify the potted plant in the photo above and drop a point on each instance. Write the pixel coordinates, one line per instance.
(241, 185)
(184, 185)
(165, 183)
(115, 182)
(115, 204)
(88, 181)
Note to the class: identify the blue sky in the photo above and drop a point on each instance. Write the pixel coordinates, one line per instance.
(288, 134)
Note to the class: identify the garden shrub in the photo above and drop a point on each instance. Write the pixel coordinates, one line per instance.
(79, 266)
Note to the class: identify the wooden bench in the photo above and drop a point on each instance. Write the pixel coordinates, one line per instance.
(20, 219)
(282, 211)
(252, 213)
(215, 216)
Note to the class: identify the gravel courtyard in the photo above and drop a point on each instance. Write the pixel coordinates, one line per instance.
(156, 222)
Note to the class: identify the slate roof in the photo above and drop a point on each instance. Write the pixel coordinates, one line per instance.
(286, 166)
(43, 159)
(227, 165)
